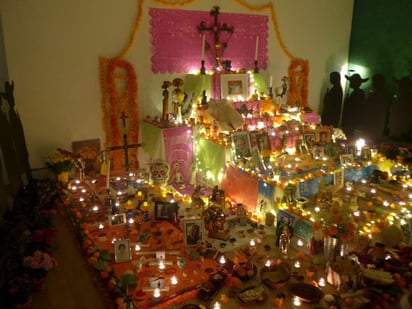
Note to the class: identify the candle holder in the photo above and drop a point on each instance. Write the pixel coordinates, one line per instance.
(256, 70)
(270, 92)
(202, 67)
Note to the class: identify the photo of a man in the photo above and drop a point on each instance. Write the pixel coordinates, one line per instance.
(241, 143)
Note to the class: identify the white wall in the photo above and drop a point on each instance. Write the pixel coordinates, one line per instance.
(52, 50)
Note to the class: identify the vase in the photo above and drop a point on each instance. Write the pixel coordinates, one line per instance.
(332, 248)
(63, 177)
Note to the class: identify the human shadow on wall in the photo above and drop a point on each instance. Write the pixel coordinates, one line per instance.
(400, 117)
(354, 106)
(332, 102)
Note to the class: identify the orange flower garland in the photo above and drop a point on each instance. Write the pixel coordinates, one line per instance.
(117, 105)
(298, 73)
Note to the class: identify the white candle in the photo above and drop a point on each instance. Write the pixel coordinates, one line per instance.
(156, 293)
(257, 47)
(108, 175)
(270, 81)
(203, 46)
(173, 280)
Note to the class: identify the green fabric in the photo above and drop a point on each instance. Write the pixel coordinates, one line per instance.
(151, 138)
(210, 158)
(259, 84)
(195, 84)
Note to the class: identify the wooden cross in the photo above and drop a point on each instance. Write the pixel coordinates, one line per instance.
(125, 145)
(216, 28)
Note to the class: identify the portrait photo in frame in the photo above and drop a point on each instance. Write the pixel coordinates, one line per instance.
(241, 145)
(165, 210)
(338, 178)
(117, 219)
(89, 151)
(346, 158)
(122, 250)
(309, 139)
(323, 135)
(263, 142)
(234, 86)
(193, 232)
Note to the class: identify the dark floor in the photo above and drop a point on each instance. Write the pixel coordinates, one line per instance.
(70, 285)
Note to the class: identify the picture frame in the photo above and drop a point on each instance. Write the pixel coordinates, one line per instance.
(117, 219)
(346, 158)
(122, 250)
(193, 232)
(339, 178)
(263, 141)
(309, 138)
(318, 152)
(241, 145)
(323, 135)
(157, 282)
(89, 150)
(366, 153)
(165, 210)
(234, 86)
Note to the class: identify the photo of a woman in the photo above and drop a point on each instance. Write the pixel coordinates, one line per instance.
(193, 232)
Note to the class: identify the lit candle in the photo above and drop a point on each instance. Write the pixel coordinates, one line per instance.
(267, 264)
(137, 247)
(203, 46)
(216, 305)
(222, 260)
(95, 208)
(257, 48)
(322, 282)
(162, 265)
(131, 221)
(300, 242)
(101, 226)
(173, 280)
(297, 264)
(156, 293)
(74, 188)
(297, 302)
(252, 243)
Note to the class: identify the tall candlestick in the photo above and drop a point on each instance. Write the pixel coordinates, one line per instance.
(203, 46)
(270, 81)
(108, 175)
(257, 48)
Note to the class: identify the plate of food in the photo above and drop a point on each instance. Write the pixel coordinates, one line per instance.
(253, 294)
(307, 293)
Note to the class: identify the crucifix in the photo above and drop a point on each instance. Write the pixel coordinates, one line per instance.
(216, 28)
(125, 145)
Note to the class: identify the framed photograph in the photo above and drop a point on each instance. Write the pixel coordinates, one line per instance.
(309, 138)
(301, 147)
(346, 158)
(241, 145)
(122, 250)
(234, 86)
(323, 135)
(118, 219)
(89, 150)
(193, 232)
(366, 153)
(318, 152)
(339, 178)
(165, 210)
(263, 142)
(157, 282)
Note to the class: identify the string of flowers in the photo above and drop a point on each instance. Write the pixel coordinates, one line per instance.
(112, 113)
(298, 72)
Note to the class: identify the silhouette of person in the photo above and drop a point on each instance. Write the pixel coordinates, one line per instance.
(332, 102)
(353, 107)
(400, 119)
(377, 105)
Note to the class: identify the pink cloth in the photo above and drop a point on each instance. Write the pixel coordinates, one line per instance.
(245, 191)
(177, 42)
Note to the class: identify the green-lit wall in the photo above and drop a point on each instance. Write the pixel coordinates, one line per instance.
(381, 39)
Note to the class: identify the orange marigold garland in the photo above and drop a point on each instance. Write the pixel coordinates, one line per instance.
(114, 104)
(298, 73)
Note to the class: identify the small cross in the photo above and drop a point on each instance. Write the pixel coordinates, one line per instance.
(125, 145)
(216, 28)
